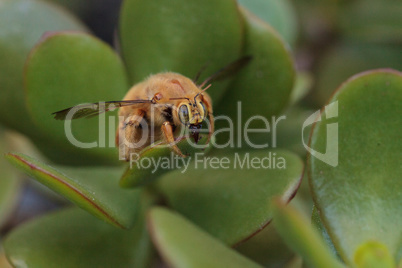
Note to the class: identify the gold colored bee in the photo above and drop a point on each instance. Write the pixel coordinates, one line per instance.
(157, 108)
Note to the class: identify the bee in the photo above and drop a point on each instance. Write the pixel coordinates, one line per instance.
(158, 108)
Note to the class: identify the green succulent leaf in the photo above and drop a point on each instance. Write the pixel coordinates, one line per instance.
(182, 244)
(359, 199)
(10, 188)
(232, 202)
(317, 223)
(147, 166)
(180, 36)
(373, 255)
(23, 23)
(296, 262)
(10, 185)
(67, 69)
(267, 81)
(279, 14)
(267, 248)
(94, 189)
(302, 238)
(73, 238)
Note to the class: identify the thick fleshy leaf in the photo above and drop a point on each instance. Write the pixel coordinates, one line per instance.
(267, 248)
(10, 185)
(372, 21)
(303, 201)
(358, 192)
(302, 238)
(296, 262)
(9, 191)
(67, 69)
(373, 255)
(332, 70)
(263, 87)
(317, 223)
(182, 244)
(73, 238)
(94, 189)
(22, 24)
(279, 14)
(229, 195)
(157, 159)
(20, 143)
(180, 36)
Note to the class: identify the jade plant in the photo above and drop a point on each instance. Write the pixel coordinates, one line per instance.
(203, 214)
(359, 227)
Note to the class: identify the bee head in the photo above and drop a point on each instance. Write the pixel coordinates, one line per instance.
(192, 114)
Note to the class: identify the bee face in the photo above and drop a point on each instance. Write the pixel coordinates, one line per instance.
(192, 113)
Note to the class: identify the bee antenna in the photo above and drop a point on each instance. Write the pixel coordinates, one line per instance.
(181, 98)
(205, 89)
(202, 92)
(228, 70)
(203, 68)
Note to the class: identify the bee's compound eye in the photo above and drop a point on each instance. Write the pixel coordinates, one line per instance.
(183, 114)
(203, 111)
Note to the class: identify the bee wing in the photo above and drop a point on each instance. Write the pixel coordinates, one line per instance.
(227, 71)
(93, 109)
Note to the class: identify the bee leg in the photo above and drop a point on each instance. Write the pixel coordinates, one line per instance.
(167, 131)
(133, 121)
(130, 132)
(211, 127)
